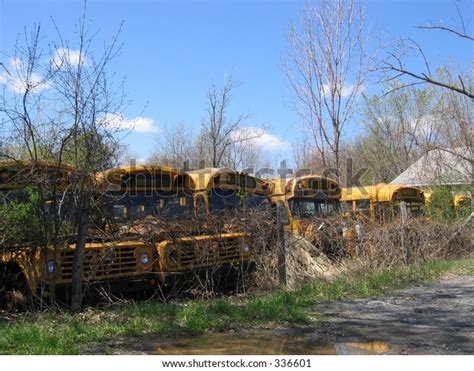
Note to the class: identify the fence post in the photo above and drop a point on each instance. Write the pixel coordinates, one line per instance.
(282, 219)
(404, 217)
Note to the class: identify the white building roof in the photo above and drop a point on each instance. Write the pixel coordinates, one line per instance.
(439, 167)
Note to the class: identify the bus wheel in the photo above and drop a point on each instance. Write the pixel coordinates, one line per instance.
(14, 288)
(15, 300)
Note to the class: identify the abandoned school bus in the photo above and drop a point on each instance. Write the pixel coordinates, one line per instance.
(381, 202)
(143, 204)
(169, 208)
(30, 268)
(218, 194)
(307, 199)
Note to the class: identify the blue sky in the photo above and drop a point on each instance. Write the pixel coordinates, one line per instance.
(173, 50)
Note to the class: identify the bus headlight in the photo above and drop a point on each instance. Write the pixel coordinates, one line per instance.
(245, 247)
(144, 259)
(51, 266)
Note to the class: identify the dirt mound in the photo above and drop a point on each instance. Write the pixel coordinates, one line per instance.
(306, 262)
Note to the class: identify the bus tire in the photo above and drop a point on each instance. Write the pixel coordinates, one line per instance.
(14, 292)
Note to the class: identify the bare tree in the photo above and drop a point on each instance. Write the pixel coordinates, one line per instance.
(175, 145)
(56, 106)
(222, 141)
(304, 154)
(327, 68)
(394, 125)
(218, 133)
(244, 152)
(394, 67)
(85, 87)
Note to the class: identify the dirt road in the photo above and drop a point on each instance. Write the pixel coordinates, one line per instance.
(427, 319)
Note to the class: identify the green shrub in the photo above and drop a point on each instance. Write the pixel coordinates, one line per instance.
(441, 206)
(19, 223)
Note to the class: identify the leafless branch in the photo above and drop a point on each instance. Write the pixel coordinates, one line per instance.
(447, 29)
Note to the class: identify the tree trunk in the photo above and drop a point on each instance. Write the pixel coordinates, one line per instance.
(78, 262)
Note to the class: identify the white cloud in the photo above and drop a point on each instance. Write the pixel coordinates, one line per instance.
(346, 90)
(16, 81)
(261, 139)
(64, 56)
(116, 121)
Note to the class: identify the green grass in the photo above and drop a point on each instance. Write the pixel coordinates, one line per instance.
(53, 333)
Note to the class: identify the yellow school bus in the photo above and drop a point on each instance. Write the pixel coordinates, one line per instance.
(218, 193)
(216, 190)
(169, 207)
(381, 202)
(123, 264)
(311, 202)
(136, 192)
(306, 198)
(142, 203)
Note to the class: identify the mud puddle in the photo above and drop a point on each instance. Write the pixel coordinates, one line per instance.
(243, 343)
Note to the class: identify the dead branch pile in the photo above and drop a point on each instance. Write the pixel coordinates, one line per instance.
(383, 245)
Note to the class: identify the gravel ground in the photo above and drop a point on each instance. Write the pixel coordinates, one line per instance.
(426, 319)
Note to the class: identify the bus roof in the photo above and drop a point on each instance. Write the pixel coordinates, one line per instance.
(19, 174)
(115, 177)
(381, 192)
(306, 186)
(29, 164)
(138, 169)
(208, 178)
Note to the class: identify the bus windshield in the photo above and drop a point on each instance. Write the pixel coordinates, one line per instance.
(220, 200)
(304, 208)
(136, 205)
(414, 208)
(256, 202)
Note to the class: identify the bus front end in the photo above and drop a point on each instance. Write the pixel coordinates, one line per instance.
(190, 255)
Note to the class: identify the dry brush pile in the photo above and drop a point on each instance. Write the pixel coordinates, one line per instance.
(332, 245)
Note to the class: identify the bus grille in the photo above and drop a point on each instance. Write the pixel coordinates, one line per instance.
(210, 252)
(100, 264)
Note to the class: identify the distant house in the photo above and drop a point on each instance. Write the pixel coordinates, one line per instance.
(439, 167)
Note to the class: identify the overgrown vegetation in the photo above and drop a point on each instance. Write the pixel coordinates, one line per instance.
(441, 205)
(19, 223)
(53, 333)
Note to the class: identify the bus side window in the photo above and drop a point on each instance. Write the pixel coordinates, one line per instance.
(385, 211)
(379, 214)
(346, 206)
(363, 207)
